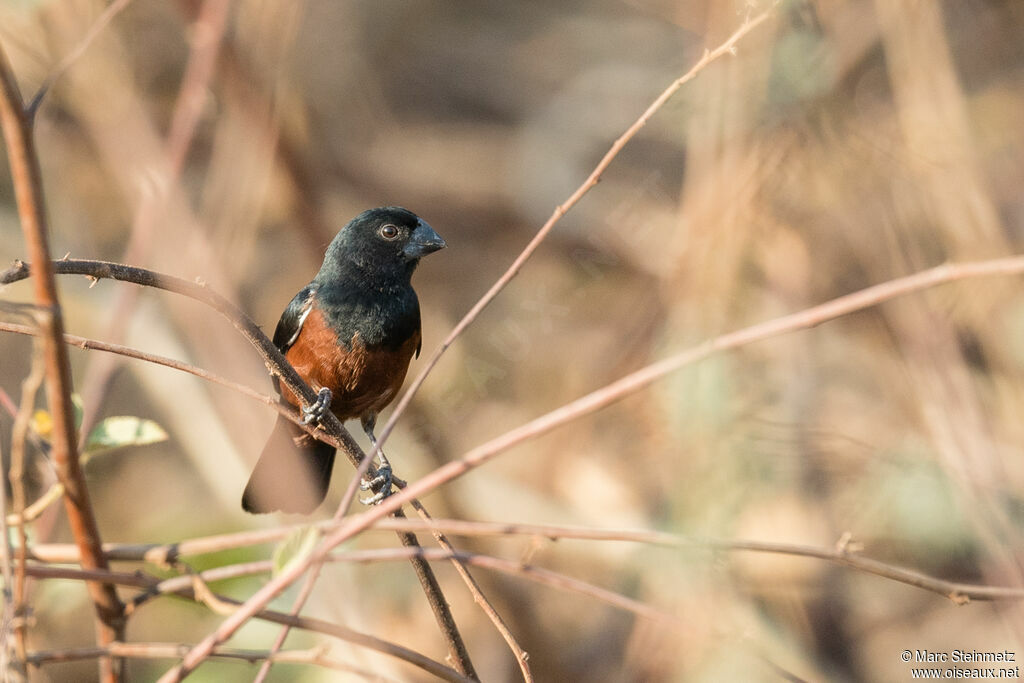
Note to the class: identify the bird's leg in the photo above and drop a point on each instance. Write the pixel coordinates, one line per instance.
(381, 483)
(315, 411)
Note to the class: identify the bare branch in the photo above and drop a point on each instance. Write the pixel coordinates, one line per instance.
(953, 590)
(207, 31)
(111, 11)
(139, 580)
(728, 47)
(28, 189)
(590, 403)
(314, 656)
(642, 378)
(16, 474)
(333, 433)
(521, 656)
(88, 344)
(15, 585)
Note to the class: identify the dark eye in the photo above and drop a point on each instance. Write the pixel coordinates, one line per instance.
(389, 232)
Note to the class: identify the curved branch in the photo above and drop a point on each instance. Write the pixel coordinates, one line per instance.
(275, 361)
(87, 344)
(644, 377)
(586, 405)
(333, 433)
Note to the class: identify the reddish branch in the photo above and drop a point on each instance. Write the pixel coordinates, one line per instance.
(28, 190)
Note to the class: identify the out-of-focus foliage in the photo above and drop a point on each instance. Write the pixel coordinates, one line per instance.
(846, 143)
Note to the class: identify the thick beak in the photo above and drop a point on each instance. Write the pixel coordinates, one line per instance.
(423, 241)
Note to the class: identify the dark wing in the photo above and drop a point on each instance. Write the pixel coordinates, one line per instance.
(290, 324)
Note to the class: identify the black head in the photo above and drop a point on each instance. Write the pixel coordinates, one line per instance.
(380, 245)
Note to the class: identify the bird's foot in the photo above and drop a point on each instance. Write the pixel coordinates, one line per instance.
(314, 412)
(380, 484)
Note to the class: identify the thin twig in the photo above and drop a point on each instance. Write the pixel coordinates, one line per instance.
(139, 580)
(112, 10)
(314, 656)
(29, 390)
(953, 590)
(332, 432)
(27, 180)
(88, 344)
(207, 33)
(300, 601)
(6, 555)
(534, 573)
(585, 405)
(515, 568)
(457, 652)
(726, 48)
(841, 554)
(9, 606)
(521, 655)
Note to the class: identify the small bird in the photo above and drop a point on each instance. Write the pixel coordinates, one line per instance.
(350, 333)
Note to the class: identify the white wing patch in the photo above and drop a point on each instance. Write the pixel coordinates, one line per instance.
(307, 306)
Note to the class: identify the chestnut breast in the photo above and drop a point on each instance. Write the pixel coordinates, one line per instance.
(363, 379)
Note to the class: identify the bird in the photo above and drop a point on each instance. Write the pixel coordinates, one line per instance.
(350, 334)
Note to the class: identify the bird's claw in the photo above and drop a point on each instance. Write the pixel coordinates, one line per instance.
(381, 484)
(314, 412)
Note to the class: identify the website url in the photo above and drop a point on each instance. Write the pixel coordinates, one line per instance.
(977, 673)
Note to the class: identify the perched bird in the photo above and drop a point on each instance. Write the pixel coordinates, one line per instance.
(350, 333)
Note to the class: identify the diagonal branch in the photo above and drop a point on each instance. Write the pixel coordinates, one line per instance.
(28, 190)
(88, 344)
(709, 56)
(585, 405)
(333, 433)
(111, 11)
(518, 652)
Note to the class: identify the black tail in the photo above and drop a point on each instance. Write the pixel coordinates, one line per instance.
(292, 474)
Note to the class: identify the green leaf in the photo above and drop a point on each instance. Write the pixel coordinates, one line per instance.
(121, 431)
(296, 547)
(79, 409)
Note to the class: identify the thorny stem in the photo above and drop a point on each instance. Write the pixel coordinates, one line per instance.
(25, 173)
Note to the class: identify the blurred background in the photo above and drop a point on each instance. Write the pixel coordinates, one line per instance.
(848, 142)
